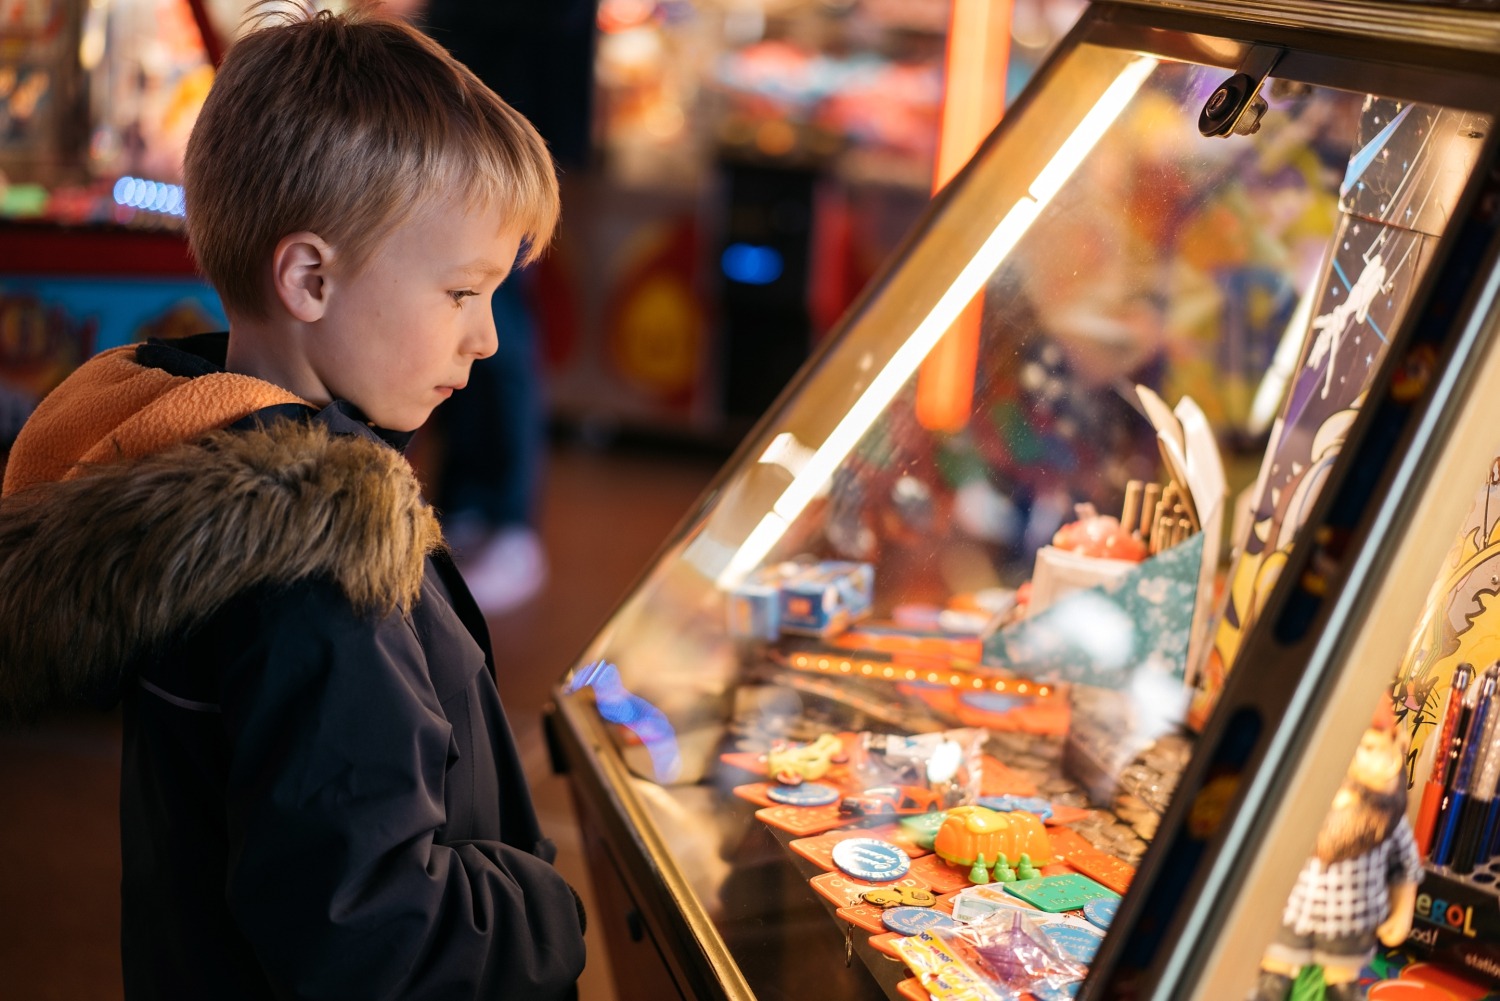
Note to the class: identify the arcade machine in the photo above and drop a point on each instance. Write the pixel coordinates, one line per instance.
(97, 101)
(1053, 701)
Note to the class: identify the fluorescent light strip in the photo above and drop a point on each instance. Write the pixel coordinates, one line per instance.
(873, 401)
(765, 535)
(896, 372)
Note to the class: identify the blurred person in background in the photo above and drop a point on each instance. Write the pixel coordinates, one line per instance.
(492, 437)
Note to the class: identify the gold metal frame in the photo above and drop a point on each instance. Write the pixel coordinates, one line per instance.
(1476, 30)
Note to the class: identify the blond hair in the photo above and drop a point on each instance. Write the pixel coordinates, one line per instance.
(345, 125)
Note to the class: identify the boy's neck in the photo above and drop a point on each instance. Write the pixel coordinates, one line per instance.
(267, 352)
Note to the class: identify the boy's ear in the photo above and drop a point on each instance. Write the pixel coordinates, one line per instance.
(300, 272)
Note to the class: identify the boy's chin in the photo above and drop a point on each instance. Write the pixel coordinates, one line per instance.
(409, 425)
(405, 422)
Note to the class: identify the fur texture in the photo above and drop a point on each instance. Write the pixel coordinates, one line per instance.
(99, 568)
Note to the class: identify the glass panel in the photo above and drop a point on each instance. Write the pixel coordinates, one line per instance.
(903, 557)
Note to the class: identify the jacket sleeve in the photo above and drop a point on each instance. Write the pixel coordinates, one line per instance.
(338, 875)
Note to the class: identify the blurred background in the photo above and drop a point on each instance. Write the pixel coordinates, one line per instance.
(734, 172)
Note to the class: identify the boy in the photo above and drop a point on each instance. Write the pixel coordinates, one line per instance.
(320, 796)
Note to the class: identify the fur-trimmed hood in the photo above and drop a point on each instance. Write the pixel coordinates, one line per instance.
(99, 566)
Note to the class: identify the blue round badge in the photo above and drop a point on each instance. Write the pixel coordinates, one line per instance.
(871, 859)
(1080, 943)
(1101, 911)
(915, 920)
(806, 794)
(1005, 804)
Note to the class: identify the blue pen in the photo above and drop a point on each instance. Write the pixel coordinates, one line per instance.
(1448, 762)
(1476, 815)
(1473, 742)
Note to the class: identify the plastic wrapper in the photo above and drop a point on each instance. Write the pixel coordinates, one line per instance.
(1000, 957)
(946, 763)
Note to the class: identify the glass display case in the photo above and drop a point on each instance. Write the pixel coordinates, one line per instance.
(1104, 651)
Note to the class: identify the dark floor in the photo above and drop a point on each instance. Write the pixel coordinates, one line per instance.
(604, 514)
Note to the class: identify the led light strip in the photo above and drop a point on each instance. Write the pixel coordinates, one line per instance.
(888, 671)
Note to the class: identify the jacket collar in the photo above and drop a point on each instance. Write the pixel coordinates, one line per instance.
(102, 566)
(206, 354)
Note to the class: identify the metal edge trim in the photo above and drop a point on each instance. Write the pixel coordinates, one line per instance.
(591, 743)
(1476, 30)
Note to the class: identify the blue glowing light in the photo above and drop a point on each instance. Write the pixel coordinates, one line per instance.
(150, 196)
(751, 264)
(618, 705)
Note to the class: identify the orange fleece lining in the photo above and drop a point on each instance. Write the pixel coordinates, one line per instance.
(112, 408)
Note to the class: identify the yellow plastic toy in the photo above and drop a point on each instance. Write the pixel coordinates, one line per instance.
(791, 764)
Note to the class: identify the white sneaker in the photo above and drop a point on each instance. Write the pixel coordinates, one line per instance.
(506, 570)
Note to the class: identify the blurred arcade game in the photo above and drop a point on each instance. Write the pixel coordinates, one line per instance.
(756, 164)
(96, 101)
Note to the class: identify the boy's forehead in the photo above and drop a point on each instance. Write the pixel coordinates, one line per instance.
(477, 211)
(451, 219)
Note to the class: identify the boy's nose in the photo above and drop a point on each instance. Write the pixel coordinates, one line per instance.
(484, 340)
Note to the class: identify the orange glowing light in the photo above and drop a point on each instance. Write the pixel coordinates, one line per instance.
(973, 101)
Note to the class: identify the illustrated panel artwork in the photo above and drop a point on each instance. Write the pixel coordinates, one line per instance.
(1461, 620)
(1404, 179)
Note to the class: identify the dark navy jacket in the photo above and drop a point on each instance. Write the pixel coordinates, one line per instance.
(317, 801)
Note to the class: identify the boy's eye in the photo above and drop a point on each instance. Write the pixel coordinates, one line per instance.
(458, 295)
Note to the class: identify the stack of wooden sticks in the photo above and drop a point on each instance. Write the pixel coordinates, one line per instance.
(1161, 517)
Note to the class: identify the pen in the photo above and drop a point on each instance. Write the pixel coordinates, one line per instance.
(1448, 814)
(1490, 772)
(1450, 753)
(1473, 841)
(1432, 792)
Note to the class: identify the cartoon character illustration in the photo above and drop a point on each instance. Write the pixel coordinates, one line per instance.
(1330, 327)
(1380, 252)
(1360, 885)
(1459, 621)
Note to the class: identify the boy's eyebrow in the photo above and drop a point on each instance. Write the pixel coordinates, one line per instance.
(481, 270)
